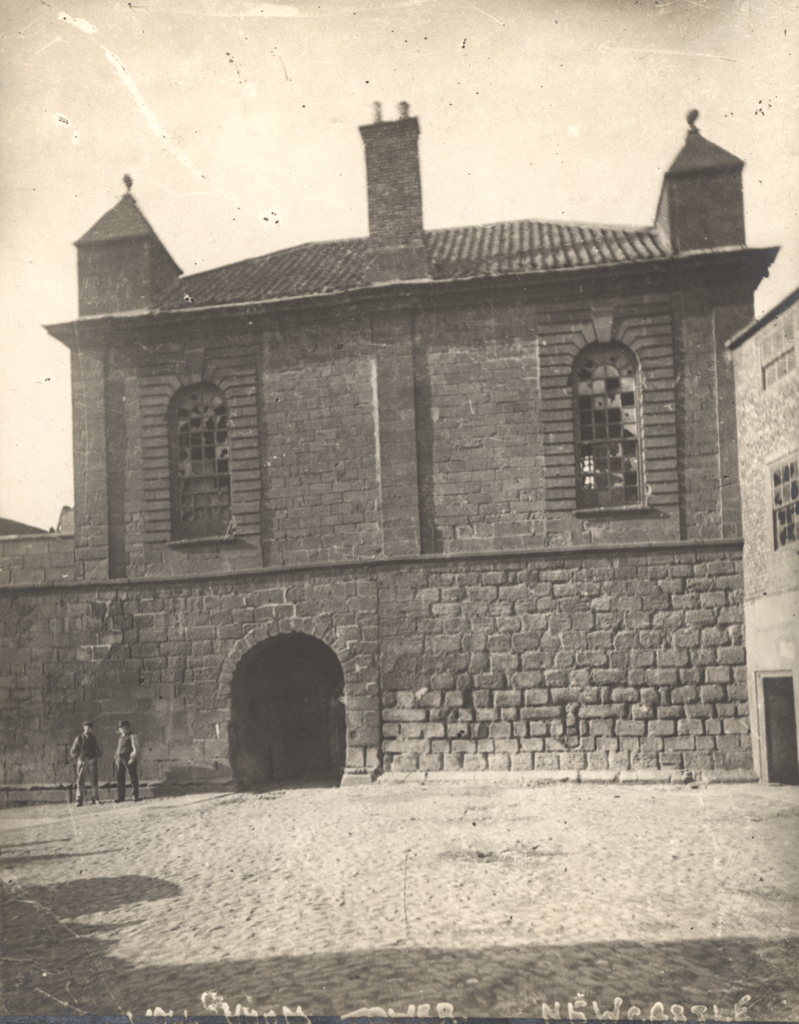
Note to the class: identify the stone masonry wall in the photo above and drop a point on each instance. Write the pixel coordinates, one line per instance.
(479, 440)
(610, 661)
(603, 659)
(37, 558)
(421, 427)
(768, 432)
(322, 488)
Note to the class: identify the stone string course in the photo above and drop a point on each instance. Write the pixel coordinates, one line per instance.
(625, 660)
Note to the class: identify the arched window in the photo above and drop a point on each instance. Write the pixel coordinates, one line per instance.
(200, 462)
(607, 427)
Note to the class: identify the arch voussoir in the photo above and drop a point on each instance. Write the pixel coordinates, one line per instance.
(322, 627)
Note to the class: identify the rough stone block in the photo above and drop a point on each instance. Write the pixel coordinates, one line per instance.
(661, 727)
(619, 760)
(679, 743)
(698, 760)
(404, 714)
(684, 695)
(534, 743)
(598, 761)
(508, 698)
(732, 655)
(735, 726)
(475, 762)
(630, 728)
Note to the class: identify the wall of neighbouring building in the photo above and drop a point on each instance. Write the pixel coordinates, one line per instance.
(593, 660)
(37, 558)
(768, 428)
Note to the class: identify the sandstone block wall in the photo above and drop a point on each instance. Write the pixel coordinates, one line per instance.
(622, 660)
(590, 659)
(37, 558)
(427, 423)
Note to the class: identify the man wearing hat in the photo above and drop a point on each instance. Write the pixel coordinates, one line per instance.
(87, 751)
(127, 759)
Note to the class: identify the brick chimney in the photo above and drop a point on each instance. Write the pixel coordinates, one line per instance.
(394, 188)
(701, 203)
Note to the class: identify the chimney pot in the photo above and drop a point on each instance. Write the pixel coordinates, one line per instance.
(377, 109)
(404, 110)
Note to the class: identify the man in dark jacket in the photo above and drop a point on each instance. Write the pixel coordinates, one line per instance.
(87, 751)
(127, 759)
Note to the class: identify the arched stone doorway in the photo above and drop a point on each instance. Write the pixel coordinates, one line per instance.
(286, 716)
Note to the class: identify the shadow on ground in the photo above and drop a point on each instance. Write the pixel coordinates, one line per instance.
(27, 858)
(96, 895)
(46, 964)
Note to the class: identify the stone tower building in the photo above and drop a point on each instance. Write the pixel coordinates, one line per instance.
(435, 501)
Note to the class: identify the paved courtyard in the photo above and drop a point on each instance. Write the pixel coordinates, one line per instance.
(495, 898)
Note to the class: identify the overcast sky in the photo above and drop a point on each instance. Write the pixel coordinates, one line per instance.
(238, 123)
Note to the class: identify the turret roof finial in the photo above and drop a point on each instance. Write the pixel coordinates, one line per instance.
(128, 182)
(691, 117)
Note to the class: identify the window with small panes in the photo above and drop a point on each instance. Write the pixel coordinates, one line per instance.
(200, 462)
(607, 427)
(785, 502)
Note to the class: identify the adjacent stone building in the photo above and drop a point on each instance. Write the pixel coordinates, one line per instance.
(436, 501)
(767, 390)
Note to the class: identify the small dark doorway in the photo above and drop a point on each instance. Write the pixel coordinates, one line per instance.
(287, 719)
(783, 765)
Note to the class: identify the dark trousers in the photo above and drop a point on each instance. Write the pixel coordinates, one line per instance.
(133, 770)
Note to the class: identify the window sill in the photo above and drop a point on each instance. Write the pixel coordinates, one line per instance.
(617, 511)
(198, 542)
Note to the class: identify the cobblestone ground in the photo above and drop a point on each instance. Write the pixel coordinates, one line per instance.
(493, 898)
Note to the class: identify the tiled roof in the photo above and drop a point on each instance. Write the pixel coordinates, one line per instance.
(11, 528)
(759, 322)
(490, 250)
(125, 220)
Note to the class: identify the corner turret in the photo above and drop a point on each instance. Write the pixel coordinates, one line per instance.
(122, 264)
(701, 203)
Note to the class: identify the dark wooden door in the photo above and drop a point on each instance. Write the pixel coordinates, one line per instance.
(298, 725)
(783, 765)
(287, 718)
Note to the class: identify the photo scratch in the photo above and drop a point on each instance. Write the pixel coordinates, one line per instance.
(47, 46)
(79, 23)
(491, 16)
(156, 127)
(670, 53)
